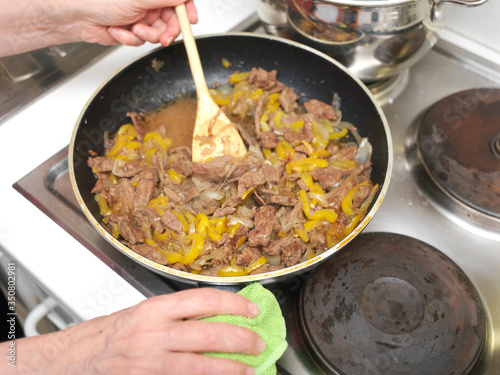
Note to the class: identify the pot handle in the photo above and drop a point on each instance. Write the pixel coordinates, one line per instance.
(467, 3)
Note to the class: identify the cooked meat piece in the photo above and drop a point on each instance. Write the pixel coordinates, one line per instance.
(294, 117)
(158, 161)
(128, 169)
(290, 248)
(282, 200)
(99, 187)
(250, 180)
(181, 150)
(182, 165)
(335, 196)
(123, 193)
(145, 188)
(245, 135)
(317, 239)
(127, 229)
(362, 194)
(219, 212)
(174, 192)
(171, 221)
(231, 202)
(268, 139)
(150, 252)
(149, 217)
(305, 134)
(346, 153)
(247, 256)
(100, 164)
(262, 78)
(296, 215)
(321, 109)
(292, 252)
(259, 110)
(288, 100)
(139, 125)
(329, 176)
(303, 149)
(266, 268)
(225, 167)
(205, 204)
(264, 224)
(271, 174)
(302, 185)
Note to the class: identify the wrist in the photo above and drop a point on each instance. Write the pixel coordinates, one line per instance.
(41, 24)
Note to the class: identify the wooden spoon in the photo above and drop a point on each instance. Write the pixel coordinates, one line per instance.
(214, 134)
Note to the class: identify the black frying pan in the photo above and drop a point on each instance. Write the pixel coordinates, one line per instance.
(139, 87)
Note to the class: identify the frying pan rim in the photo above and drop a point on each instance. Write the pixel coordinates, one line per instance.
(217, 280)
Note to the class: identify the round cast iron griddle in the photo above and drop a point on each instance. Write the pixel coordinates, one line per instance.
(391, 304)
(459, 142)
(141, 87)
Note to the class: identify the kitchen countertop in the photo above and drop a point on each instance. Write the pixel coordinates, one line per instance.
(64, 267)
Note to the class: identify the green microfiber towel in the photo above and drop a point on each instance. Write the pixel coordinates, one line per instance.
(269, 324)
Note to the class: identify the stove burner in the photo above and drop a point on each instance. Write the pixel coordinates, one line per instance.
(391, 304)
(459, 143)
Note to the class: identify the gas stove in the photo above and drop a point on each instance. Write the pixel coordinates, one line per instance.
(418, 209)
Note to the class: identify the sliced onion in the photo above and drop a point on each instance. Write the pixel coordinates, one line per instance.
(242, 220)
(117, 166)
(273, 260)
(256, 150)
(365, 150)
(245, 212)
(323, 202)
(212, 194)
(309, 251)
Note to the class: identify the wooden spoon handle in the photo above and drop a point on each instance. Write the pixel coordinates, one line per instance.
(192, 51)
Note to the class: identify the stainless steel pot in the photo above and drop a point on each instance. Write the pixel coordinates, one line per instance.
(374, 39)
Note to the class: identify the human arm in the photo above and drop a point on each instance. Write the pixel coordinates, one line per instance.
(161, 335)
(30, 24)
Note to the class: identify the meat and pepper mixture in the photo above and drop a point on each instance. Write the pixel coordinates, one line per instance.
(303, 186)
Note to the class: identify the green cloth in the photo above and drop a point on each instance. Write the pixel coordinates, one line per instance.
(269, 324)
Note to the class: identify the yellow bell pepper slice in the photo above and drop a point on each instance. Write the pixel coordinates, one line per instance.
(344, 164)
(306, 206)
(202, 224)
(311, 224)
(225, 62)
(235, 270)
(285, 151)
(302, 233)
(349, 228)
(103, 205)
(297, 126)
(233, 229)
(338, 134)
(306, 165)
(347, 200)
(197, 243)
(238, 77)
(174, 176)
(325, 214)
